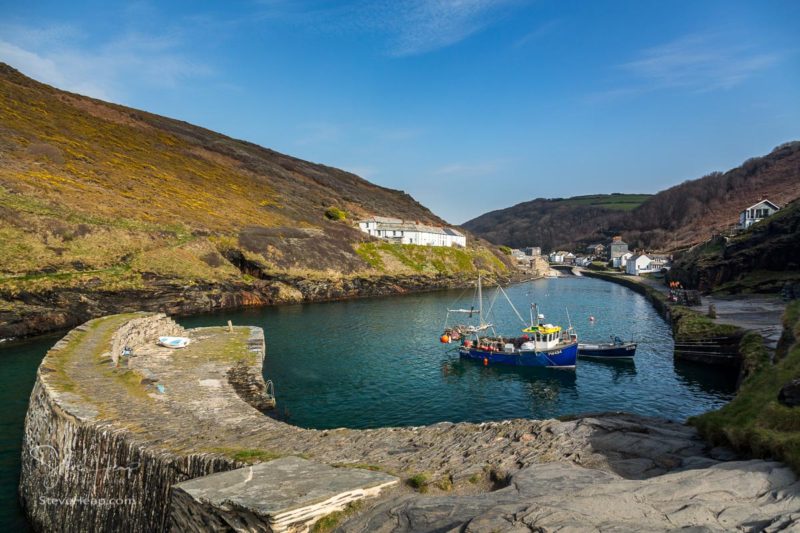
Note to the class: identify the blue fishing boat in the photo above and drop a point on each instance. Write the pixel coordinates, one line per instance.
(542, 344)
(616, 349)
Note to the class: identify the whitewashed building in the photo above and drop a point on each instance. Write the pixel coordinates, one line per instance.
(638, 264)
(405, 232)
(622, 260)
(756, 213)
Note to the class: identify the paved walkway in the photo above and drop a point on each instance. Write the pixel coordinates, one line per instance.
(762, 313)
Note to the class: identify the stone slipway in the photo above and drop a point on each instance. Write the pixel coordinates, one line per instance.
(104, 445)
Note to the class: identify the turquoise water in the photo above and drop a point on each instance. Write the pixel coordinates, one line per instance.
(378, 362)
(18, 364)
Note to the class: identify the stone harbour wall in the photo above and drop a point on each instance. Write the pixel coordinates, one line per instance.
(82, 472)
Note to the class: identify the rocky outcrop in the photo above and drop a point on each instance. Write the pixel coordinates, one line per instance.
(789, 394)
(104, 445)
(37, 313)
(752, 495)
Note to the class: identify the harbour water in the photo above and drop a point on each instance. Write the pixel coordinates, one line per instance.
(378, 362)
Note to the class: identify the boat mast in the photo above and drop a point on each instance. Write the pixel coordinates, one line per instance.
(480, 301)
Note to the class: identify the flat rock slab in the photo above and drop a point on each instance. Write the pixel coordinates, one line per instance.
(736, 496)
(286, 494)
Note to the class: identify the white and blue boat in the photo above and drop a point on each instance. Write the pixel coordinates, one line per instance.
(174, 342)
(616, 349)
(542, 344)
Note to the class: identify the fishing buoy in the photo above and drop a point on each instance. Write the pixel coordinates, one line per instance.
(591, 318)
(445, 339)
(485, 361)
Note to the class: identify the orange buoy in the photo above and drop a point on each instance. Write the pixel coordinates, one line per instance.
(485, 361)
(445, 339)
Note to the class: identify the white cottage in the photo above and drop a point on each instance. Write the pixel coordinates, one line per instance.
(756, 213)
(637, 264)
(400, 231)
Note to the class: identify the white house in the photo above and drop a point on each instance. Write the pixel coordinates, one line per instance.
(404, 232)
(659, 261)
(556, 257)
(622, 260)
(756, 213)
(638, 264)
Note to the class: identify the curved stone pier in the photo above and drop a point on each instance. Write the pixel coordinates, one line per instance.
(107, 438)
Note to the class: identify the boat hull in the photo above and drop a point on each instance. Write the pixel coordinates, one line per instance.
(564, 357)
(616, 351)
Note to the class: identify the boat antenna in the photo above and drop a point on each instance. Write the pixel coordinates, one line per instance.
(569, 320)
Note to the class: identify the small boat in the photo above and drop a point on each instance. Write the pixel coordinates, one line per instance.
(174, 342)
(543, 345)
(616, 349)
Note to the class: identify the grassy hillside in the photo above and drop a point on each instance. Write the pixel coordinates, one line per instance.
(103, 198)
(612, 202)
(676, 218)
(556, 223)
(755, 422)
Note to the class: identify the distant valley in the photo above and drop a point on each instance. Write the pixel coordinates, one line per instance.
(673, 219)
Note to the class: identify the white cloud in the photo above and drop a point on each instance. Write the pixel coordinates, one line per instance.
(420, 26)
(61, 56)
(700, 63)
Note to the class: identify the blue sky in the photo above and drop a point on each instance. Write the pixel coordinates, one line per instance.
(468, 105)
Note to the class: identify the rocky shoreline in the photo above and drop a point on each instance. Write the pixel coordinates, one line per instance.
(622, 471)
(39, 313)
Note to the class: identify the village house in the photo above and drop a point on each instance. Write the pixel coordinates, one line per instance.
(596, 250)
(583, 261)
(405, 232)
(569, 258)
(756, 213)
(621, 261)
(638, 264)
(533, 251)
(617, 248)
(521, 257)
(659, 261)
(556, 257)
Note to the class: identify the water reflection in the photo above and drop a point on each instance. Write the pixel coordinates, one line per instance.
(539, 384)
(716, 381)
(620, 370)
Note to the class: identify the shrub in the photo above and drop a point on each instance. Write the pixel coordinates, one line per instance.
(420, 481)
(334, 213)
